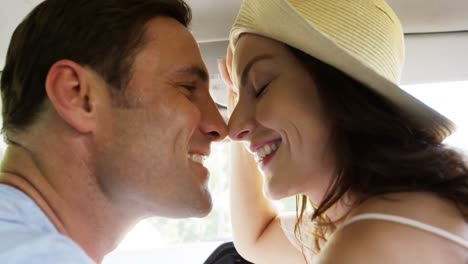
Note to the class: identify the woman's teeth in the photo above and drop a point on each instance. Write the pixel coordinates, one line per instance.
(266, 150)
(198, 158)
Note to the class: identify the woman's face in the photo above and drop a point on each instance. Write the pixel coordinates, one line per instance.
(280, 118)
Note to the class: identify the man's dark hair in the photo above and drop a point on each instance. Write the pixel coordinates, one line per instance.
(101, 34)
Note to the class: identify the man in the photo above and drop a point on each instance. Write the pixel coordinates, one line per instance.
(108, 117)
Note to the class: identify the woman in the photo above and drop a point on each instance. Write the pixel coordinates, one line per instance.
(317, 105)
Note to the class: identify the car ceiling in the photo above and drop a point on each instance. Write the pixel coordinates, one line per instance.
(440, 26)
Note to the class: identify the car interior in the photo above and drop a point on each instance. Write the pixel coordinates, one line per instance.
(435, 71)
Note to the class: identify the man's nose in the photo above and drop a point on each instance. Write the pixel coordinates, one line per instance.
(212, 122)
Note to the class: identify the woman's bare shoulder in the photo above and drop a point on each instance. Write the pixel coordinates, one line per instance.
(425, 207)
(376, 241)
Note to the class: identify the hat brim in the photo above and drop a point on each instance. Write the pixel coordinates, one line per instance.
(307, 38)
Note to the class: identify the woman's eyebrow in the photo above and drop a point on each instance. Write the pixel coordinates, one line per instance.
(249, 65)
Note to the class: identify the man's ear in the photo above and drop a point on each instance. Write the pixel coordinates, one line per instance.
(68, 87)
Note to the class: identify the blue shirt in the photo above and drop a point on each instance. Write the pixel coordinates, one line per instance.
(28, 236)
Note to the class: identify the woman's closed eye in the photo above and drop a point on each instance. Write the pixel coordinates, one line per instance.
(262, 90)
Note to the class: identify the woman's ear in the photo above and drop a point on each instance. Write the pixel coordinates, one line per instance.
(225, 69)
(68, 87)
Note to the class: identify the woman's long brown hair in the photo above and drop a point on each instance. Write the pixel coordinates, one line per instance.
(378, 150)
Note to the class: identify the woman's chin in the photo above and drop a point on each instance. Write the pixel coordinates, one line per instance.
(276, 193)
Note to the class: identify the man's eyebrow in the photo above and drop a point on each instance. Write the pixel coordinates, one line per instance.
(193, 70)
(249, 65)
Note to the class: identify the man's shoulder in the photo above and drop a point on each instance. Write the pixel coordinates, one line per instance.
(27, 235)
(18, 209)
(25, 246)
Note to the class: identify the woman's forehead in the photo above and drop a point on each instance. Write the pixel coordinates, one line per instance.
(249, 47)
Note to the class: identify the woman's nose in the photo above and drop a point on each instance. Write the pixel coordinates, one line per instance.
(241, 124)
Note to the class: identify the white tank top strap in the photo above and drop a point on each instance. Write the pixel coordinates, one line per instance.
(408, 222)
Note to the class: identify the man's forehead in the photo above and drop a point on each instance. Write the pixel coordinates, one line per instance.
(172, 49)
(167, 33)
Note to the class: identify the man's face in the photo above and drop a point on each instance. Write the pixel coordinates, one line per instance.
(150, 149)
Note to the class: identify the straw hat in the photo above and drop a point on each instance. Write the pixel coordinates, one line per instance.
(362, 38)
